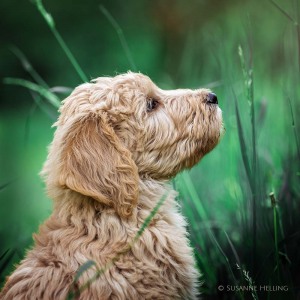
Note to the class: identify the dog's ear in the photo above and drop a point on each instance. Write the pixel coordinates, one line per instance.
(95, 163)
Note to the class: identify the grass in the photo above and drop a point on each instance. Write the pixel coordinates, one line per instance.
(273, 203)
(121, 36)
(44, 92)
(50, 22)
(242, 201)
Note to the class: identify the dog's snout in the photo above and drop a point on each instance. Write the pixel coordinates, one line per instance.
(212, 98)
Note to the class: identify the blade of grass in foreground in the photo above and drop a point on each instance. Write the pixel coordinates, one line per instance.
(99, 272)
(121, 36)
(84, 268)
(50, 22)
(34, 87)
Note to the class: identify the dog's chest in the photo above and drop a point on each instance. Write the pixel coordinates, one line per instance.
(162, 260)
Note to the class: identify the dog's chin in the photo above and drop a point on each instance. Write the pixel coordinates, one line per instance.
(211, 142)
(219, 125)
(222, 132)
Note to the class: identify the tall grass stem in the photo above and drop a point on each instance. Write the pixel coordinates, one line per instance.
(52, 99)
(275, 222)
(248, 77)
(28, 67)
(50, 22)
(294, 128)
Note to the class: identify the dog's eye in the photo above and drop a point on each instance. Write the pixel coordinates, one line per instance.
(152, 104)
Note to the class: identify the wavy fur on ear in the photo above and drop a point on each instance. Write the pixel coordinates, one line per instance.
(95, 163)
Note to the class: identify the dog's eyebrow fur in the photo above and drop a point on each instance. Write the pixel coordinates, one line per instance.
(107, 168)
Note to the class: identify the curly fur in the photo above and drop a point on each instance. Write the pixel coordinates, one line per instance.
(108, 166)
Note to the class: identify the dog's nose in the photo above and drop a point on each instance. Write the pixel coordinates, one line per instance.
(212, 98)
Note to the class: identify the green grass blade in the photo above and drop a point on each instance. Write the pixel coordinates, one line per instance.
(61, 90)
(193, 194)
(232, 248)
(243, 143)
(87, 265)
(294, 128)
(4, 185)
(250, 282)
(227, 264)
(283, 11)
(190, 189)
(121, 36)
(49, 20)
(3, 254)
(44, 107)
(234, 251)
(274, 206)
(5, 259)
(295, 23)
(193, 222)
(38, 103)
(27, 122)
(52, 99)
(149, 218)
(28, 67)
(248, 77)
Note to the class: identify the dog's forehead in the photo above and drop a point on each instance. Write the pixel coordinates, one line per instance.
(177, 92)
(138, 81)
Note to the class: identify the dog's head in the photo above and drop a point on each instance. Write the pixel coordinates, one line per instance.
(113, 131)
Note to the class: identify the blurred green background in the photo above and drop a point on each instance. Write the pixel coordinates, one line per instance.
(247, 52)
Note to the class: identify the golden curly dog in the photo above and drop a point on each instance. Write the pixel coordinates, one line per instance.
(118, 142)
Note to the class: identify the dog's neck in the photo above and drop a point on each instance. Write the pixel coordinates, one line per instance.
(68, 202)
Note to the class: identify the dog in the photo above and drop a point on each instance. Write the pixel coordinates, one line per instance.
(119, 140)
